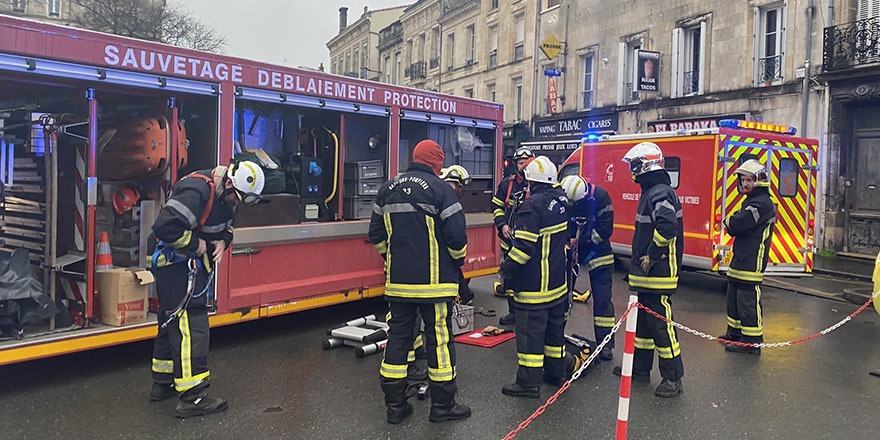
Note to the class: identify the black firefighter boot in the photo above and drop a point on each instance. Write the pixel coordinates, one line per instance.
(161, 391)
(668, 388)
(395, 400)
(197, 402)
(517, 390)
(448, 411)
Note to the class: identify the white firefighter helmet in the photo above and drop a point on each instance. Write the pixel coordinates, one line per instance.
(457, 174)
(540, 170)
(754, 169)
(644, 157)
(575, 187)
(248, 180)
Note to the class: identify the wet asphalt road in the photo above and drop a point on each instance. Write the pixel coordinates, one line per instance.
(282, 385)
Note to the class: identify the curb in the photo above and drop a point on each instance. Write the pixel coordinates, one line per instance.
(857, 295)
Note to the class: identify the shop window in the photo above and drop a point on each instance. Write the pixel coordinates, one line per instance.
(673, 167)
(788, 177)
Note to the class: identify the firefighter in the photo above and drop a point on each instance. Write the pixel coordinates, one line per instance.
(511, 192)
(419, 229)
(458, 178)
(656, 260)
(535, 269)
(752, 230)
(592, 220)
(194, 229)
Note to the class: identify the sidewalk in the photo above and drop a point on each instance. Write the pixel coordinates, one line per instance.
(825, 286)
(840, 266)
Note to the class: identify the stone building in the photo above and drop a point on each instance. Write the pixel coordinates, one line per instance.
(354, 50)
(56, 11)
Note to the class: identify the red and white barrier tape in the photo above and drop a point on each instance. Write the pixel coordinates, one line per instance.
(623, 413)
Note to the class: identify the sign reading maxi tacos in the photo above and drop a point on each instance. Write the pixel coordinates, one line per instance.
(318, 85)
(577, 125)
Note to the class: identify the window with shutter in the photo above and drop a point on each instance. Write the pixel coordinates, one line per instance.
(868, 9)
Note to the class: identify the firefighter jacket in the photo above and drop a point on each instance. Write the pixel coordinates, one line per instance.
(596, 217)
(752, 229)
(536, 264)
(659, 234)
(182, 222)
(419, 228)
(513, 189)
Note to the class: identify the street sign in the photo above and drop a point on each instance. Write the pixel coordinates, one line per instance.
(552, 71)
(551, 47)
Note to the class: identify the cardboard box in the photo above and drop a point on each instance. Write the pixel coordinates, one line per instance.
(122, 295)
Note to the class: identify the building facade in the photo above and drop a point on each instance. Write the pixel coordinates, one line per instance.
(354, 51)
(56, 11)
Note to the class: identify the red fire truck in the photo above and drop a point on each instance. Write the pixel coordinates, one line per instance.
(89, 119)
(701, 164)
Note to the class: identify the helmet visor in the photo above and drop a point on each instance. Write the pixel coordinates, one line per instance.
(248, 199)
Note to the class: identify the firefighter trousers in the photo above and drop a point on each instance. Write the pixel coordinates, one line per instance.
(418, 342)
(439, 348)
(655, 334)
(540, 344)
(180, 351)
(603, 309)
(744, 314)
(511, 304)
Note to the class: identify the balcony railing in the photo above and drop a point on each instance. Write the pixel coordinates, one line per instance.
(852, 44)
(770, 69)
(691, 83)
(417, 70)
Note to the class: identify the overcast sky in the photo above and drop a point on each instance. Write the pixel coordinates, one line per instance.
(286, 32)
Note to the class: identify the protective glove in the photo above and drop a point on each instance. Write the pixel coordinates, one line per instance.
(646, 264)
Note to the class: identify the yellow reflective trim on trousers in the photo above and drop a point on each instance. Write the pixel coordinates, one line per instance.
(411, 356)
(525, 235)
(433, 251)
(733, 323)
(441, 332)
(675, 350)
(392, 371)
(185, 346)
(183, 241)
(745, 275)
(160, 366)
(660, 240)
(441, 374)
(498, 201)
(539, 297)
(554, 352)
(421, 290)
(497, 213)
(519, 256)
(457, 254)
(603, 321)
(388, 229)
(554, 229)
(758, 309)
(644, 343)
(673, 258)
(420, 341)
(184, 384)
(530, 360)
(545, 262)
(653, 282)
(605, 260)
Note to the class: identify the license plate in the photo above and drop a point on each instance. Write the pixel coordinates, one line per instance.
(728, 257)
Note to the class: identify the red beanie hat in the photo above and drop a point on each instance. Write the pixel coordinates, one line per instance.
(429, 153)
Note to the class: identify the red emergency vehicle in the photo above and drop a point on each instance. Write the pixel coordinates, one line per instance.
(87, 117)
(701, 165)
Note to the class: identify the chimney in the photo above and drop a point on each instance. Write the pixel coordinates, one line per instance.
(366, 9)
(343, 18)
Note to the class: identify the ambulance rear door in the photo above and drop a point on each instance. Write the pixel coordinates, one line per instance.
(792, 188)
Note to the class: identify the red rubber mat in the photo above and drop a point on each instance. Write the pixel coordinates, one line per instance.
(477, 338)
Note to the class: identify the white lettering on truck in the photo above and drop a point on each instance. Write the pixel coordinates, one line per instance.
(168, 64)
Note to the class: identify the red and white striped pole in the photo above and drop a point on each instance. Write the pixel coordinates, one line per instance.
(626, 369)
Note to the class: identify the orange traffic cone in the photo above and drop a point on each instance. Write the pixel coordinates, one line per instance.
(104, 260)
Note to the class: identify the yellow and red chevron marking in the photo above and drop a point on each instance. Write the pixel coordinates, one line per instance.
(734, 199)
(792, 211)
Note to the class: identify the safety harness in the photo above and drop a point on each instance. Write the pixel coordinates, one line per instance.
(172, 256)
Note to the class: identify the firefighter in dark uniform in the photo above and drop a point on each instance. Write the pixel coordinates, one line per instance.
(752, 230)
(592, 220)
(657, 247)
(194, 228)
(535, 269)
(419, 229)
(458, 177)
(511, 192)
